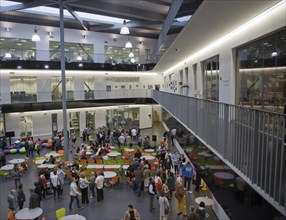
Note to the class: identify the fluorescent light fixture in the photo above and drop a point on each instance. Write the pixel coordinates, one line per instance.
(36, 37)
(8, 55)
(184, 18)
(128, 44)
(124, 29)
(131, 54)
(79, 58)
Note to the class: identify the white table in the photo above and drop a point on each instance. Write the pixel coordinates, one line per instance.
(47, 165)
(109, 174)
(125, 167)
(73, 217)
(113, 154)
(54, 154)
(206, 200)
(115, 166)
(105, 157)
(41, 161)
(7, 167)
(129, 150)
(149, 150)
(112, 147)
(224, 175)
(148, 157)
(27, 213)
(88, 147)
(94, 166)
(16, 161)
(89, 153)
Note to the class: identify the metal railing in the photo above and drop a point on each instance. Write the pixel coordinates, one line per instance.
(250, 141)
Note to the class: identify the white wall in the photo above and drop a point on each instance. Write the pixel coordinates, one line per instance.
(145, 120)
(224, 47)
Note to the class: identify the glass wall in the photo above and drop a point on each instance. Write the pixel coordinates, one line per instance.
(90, 120)
(23, 89)
(211, 78)
(89, 87)
(74, 52)
(56, 83)
(120, 55)
(26, 126)
(74, 119)
(17, 49)
(261, 78)
(123, 117)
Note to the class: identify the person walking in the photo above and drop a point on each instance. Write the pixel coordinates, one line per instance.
(99, 182)
(131, 214)
(34, 201)
(180, 196)
(164, 206)
(74, 193)
(152, 192)
(188, 173)
(16, 175)
(21, 198)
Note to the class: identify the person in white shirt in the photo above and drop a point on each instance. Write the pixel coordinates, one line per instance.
(99, 182)
(55, 183)
(134, 134)
(83, 185)
(74, 192)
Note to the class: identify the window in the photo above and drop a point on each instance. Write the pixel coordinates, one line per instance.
(120, 55)
(56, 83)
(211, 78)
(23, 89)
(26, 126)
(74, 52)
(89, 87)
(261, 78)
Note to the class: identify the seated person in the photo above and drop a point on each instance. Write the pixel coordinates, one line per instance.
(83, 153)
(107, 148)
(52, 159)
(75, 165)
(138, 154)
(135, 164)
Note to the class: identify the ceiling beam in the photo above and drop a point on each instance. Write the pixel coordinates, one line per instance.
(128, 24)
(27, 5)
(172, 13)
(75, 15)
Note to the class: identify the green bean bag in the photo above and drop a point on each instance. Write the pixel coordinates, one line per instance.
(13, 151)
(22, 150)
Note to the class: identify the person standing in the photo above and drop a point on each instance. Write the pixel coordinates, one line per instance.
(34, 200)
(180, 196)
(61, 174)
(16, 175)
(74, 193)
(55, 183)
(138, 181)
(152, 192)
(175, 159)
(21, 198)
(193, 215)
(131, 214)
(11, 199)
(83, 185)
(188, 173)
(99, 182)
(201, 211)
(92, 184)
(171, 184)
(164, 206)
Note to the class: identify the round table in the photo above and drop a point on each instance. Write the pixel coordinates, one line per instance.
(7, 167)
(54, 154)
(114, 166)
(45, 165)
(224, 175)
(113, 154)
(206, 200)
(109, 174)
(125, 167)
(94, 166)
(129, 150)
(16, 161)
(112, 147)
(89, 153)
(27, 213)
(73, 217)
(149, 150)
(41, 161)
(148, 157)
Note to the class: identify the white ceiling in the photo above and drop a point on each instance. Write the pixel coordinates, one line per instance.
(212, 20)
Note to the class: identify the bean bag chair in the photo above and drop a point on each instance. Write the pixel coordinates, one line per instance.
(22, 144)
(44, 144)
(18, 149)
(7, 151)
(49, 145)
(22, 150)
(45, 140)
(13, 151)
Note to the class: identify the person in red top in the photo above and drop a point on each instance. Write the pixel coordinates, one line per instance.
(83, 153)
(107, 148)
(43, 181)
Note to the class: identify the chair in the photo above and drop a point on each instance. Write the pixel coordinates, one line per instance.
(4, 174)
(114, 180)
(90, 161)
(10, 215)
(99, 161)
(61, 152)
(60, 213)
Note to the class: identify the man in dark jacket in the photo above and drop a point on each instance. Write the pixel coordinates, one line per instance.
(38, 189)
(34, 200)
